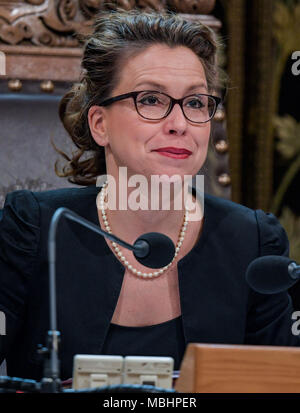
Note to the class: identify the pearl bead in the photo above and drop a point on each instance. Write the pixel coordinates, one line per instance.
(103, 195)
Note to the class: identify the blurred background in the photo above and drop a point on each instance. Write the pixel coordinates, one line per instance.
(254, 158)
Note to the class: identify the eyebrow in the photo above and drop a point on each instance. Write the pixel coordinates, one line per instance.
(163, 88)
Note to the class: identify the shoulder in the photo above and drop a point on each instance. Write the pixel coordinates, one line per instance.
(226, 207)
(51, 197)
(65, 196)
(26, 212)
(19, 230)
(25, 205)
(237, 218)
(228, 215)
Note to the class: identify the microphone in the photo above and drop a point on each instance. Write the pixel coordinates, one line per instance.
(152, 249)
(272, 274)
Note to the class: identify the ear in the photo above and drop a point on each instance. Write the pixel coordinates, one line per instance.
(97, 124)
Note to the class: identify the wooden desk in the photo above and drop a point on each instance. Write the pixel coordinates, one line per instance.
(209, 368)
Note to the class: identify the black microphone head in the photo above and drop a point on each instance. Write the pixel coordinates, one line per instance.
(160, 251)
(270, 274)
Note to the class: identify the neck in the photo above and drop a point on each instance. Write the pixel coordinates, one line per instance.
(129, 223)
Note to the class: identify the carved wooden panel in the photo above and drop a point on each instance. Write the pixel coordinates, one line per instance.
(39, 37)
(42, 63)
(53, 23)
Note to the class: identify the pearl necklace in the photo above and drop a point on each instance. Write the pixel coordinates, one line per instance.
(141, 274)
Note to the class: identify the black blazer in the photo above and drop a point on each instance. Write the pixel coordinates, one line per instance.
(217, 304)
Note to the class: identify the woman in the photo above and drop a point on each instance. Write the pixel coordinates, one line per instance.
(144, 105)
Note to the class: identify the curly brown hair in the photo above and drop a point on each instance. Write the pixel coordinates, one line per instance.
(117, 36)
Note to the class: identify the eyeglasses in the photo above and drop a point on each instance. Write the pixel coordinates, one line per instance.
(153, 105)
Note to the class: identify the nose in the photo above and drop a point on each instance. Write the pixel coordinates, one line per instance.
(175, 122)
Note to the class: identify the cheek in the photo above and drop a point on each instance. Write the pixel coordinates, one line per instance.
(131, 133)
(203, 137)
(123, 123)
(127, 138)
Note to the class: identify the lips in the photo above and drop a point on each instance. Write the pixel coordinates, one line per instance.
(175, 151)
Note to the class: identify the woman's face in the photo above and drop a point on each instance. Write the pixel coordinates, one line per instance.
(133, 141)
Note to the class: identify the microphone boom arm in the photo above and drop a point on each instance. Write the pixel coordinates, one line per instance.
(140, 248)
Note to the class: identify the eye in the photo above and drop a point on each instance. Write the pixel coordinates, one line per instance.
(195, 103)
(149, 100)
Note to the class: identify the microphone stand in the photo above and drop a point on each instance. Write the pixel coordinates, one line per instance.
(51, 383)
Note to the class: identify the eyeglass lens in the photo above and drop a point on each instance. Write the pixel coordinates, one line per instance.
(155, 105)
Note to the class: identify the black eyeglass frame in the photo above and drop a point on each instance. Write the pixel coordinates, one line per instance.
(173, 102)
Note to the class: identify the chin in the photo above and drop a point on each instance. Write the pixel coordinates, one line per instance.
(171, 176)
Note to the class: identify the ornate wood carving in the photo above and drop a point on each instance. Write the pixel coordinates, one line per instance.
(191, 6)
(53, 23)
